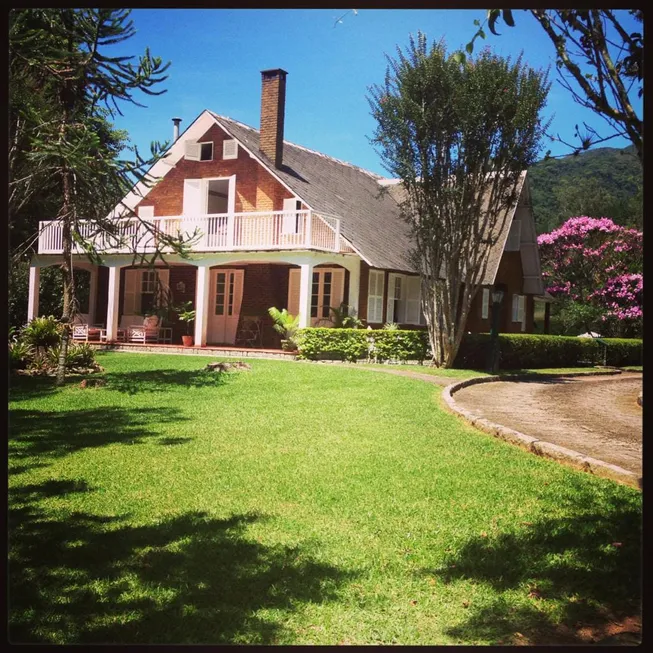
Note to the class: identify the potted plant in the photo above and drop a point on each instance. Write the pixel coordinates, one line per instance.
(185, 313)
(287, 326)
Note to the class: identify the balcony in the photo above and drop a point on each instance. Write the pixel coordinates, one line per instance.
(223, 232)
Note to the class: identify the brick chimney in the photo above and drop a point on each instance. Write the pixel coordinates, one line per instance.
(273, 102)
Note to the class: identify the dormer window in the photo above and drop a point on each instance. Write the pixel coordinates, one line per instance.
(199, 151)
(206, 151)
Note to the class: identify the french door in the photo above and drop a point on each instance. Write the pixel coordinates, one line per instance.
(224, 306)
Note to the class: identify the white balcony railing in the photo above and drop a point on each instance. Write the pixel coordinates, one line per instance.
(223, 232)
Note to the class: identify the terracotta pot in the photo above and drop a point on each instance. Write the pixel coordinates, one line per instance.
(187, 341)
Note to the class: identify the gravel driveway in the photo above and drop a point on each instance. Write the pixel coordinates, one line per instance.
(595, 415)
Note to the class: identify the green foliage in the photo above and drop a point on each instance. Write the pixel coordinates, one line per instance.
(355, 344)
(42, 332)
(285, 324)
(341, 318)
(399, 345)
(605, 182)
(186, 313)
(523, 351)
(78, 355)
(20, 355)
(324, 343)
(390, 326)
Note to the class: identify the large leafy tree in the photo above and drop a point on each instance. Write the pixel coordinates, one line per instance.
(600, 62)
(68, 139)
(594, 267)
(459, 136)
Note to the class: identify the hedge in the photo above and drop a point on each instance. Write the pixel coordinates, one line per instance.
(519, 351)
(355, 344)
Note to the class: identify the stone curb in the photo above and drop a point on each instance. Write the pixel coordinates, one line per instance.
(531, 444)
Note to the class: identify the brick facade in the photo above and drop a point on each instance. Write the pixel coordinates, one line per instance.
(256, 188)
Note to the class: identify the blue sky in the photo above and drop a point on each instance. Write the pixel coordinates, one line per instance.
(217, 54)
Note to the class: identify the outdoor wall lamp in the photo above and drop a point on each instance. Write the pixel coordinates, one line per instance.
(181, 286)
(493, 353)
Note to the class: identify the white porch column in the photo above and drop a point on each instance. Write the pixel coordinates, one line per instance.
(113, 301)
(92, 295)
(305, 289)
(202, 286)
(33, 298)
(354, 286)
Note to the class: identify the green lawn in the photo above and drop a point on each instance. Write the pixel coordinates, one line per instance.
(295, 504)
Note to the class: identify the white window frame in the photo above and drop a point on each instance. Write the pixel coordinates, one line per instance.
(485, 304)
(225, 144)
(398, 282)
(375, 300)
(518, 312)
(212, 151)
(290, 219)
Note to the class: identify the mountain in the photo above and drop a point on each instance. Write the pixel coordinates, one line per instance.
(605, 182)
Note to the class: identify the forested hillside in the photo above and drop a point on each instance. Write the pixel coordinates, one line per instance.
(606, 182)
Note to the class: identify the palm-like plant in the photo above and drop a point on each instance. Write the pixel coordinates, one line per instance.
(286, 325)
(341, 318)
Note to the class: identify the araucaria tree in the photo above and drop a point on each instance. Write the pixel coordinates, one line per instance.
(594, 268)
(459, 135)
(67, 140)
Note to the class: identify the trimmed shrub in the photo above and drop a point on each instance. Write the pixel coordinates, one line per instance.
(354, 344)
(396, 344)
(622, 351)
(521, 351)
(325, 343)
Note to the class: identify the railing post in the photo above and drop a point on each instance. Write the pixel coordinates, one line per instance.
(231, 219)
(309, 224)
(337, 247)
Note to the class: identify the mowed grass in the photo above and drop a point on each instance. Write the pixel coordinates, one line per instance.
(296, 504)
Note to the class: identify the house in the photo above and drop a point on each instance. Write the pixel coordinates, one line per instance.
(279, 225)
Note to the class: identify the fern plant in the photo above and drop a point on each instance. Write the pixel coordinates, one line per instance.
(286, 325)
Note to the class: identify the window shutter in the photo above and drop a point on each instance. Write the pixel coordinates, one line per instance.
(192, 151)
(145, 211)
(412, 300)
(375, 297)
(337, 287)
(515, 308)
(293, 291)
(229, 149)
(192, 197)
(520, 310)
(132, 295)
(485, 304)
(390, 308)
(289, 221)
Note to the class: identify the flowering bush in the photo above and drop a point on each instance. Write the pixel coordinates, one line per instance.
(595, 267)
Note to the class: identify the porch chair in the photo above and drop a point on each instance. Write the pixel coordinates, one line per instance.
(86, 332)
(146, 333)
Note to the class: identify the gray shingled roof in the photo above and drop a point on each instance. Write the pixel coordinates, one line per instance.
(370, 218)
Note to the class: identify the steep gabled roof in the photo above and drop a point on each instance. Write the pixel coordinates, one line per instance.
(369, 218)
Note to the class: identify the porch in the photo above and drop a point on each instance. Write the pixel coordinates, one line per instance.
(230, 296)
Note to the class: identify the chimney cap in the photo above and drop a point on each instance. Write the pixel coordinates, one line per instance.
(272, 71)
(177, 120)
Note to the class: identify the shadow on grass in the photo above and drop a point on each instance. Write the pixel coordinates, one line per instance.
(586, 565)
(56, 434)
(163, 380)
(82, 578)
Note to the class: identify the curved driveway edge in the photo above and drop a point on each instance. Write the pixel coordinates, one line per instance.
(535, 445)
